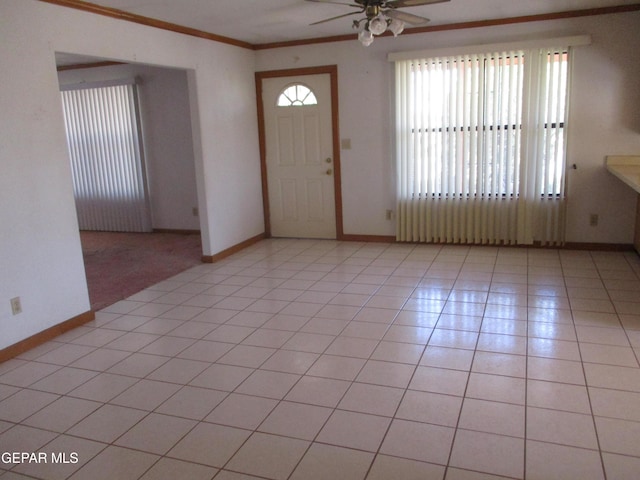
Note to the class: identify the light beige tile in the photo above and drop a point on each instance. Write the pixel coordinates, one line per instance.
(418, 441)
(498, 388)
(328, 461)
(65, 445)
(453, 339)
(499, 364)
(103, 387)
(609, 376)
(170, 469)
(604, 336)
(268, 455)
(318, 391)
(64, 380)
(459, 322)
(386, 373)
(205, 350)
(23, 404)
(620, 467)
(369, 330)
(560, 462)
(615, 403)
(289, 361)
(62, 414)
(268, 384)
(439, 380)
(553, 348)
(552, 330)
(21, 438)
(354, 430)
(493, 417)
(146, 394)
(373, 399)
(178, 370)
(308, 342)
(242, 411)
(107, 423)
(386, 467)
(295, 420)
(488, 453)
(27, 374)
(222, 377)
(192, 402)
(340, 368)
(608, 355)
(209, 444)
(498, 343)
(555, 370)
(431, 408)
(156, 433)
(558, 396)
(397, 352)
(618, 436)
(566, 428)
(116, 462)
(444, 357)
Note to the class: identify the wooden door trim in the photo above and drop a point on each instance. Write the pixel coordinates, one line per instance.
(332, 71)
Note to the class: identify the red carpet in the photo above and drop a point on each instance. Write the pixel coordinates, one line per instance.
(121, 264)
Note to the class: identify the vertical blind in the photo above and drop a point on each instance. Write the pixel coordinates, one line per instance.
(103, 136)
(480, 147)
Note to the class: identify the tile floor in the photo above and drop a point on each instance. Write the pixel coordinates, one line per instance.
(299, 359)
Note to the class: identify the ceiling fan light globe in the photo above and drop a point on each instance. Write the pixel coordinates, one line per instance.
(396, 27)
(365, 37)
(377, 26)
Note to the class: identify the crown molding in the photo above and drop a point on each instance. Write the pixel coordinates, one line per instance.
(465, 25)
(151, 22)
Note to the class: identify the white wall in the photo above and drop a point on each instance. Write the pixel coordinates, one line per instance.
(40, 253)
(168, 139)
(604, 120)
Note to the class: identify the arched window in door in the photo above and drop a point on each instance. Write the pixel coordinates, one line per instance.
(297, 95)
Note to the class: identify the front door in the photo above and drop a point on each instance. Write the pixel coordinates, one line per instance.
(299, 156)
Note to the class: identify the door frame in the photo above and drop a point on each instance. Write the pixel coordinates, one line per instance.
(332, 71)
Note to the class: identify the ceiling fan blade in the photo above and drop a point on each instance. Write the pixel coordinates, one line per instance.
(411, 3)
(406, 17)
(335, 18)
(335, 3)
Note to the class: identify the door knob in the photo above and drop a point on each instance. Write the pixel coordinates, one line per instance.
(328, 159)
(329, 171)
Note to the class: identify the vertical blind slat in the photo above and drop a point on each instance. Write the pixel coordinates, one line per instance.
(106, 161)
(465, 125)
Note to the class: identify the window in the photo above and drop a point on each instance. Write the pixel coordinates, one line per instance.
(297, 95)
(476, 129)
(105, 148)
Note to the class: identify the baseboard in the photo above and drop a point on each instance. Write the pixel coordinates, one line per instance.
(176, 231)
(368, 238)
(602, 247)
(231, 250)
(45, 335)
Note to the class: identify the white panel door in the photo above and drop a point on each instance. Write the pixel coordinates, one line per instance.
(299, 146)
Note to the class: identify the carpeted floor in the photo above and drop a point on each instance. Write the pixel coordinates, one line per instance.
(121, 264)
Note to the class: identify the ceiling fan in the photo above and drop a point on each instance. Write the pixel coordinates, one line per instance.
(380, 15)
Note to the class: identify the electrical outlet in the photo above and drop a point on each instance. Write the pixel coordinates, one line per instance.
(16, 306)
(194, 211)
(593, 219)
(389, 214)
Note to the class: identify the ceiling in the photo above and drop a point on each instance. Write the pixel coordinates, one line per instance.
(269, 21)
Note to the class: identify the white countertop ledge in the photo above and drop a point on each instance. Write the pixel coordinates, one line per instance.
(626, 168)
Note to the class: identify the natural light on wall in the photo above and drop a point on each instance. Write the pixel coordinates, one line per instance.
(481, 146)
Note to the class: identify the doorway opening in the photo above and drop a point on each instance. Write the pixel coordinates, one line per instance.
(120, 264)
(280, 190)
